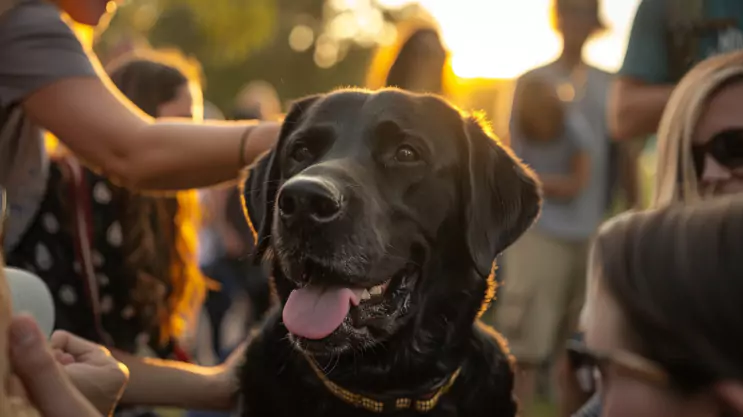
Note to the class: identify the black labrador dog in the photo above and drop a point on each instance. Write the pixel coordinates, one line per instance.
(380, 216)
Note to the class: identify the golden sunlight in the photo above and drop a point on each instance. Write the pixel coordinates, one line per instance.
(504, 38)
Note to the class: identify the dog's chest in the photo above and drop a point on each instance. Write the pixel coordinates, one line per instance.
(277, 382)
(288, 392)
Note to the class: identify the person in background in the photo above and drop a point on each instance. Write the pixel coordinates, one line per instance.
(586, 88)
(542, 289)
(416, 63)
(664, 312)
(419, 65)
(583, 90)
(56, 85)
(667, 39)
(699, 152)
(258, 100)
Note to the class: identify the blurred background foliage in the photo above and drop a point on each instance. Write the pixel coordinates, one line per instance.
(299, 46)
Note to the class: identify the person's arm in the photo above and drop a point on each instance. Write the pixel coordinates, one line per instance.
(629, 174)
(161, 383)
(635, 107)
(100, 126)
(642, 88)
(564, 187)
(44, 68)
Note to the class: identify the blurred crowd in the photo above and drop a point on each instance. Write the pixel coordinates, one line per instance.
(169, 275)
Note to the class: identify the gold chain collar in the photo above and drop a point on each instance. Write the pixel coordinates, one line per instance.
(421, 405)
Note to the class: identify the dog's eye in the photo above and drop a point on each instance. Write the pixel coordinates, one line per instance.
(406, 154)
(301, 153)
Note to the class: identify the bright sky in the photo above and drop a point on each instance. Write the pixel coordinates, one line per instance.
(504, 38)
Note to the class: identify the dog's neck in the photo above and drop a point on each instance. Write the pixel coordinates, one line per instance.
(422, 400)
(419, 359)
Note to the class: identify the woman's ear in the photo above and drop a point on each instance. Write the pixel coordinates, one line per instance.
(731, 394)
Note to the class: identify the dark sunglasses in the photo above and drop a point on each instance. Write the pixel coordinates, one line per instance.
(725, 147)
(623, 362)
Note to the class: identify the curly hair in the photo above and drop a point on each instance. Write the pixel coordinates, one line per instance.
(160, 231)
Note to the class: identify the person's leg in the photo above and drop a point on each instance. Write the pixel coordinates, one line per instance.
(570, 395)
(529, 304)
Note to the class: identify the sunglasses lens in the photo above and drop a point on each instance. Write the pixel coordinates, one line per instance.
(727, 148)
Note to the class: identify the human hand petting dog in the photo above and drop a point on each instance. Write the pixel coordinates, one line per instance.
(58, 379)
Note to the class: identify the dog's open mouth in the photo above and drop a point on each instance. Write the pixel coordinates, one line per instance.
(316, 310)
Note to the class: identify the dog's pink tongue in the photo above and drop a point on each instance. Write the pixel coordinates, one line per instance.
(315, 312)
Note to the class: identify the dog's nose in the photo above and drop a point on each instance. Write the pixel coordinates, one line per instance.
(309, 198)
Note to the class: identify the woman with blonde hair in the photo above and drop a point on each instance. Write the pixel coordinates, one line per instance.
(700, 138)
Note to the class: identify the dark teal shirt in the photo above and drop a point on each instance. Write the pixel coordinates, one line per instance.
(647, 51)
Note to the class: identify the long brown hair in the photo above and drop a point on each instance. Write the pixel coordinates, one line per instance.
(675, 274)
(393, 65)
(161, 231)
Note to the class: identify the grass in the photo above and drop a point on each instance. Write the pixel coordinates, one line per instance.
(544, 409)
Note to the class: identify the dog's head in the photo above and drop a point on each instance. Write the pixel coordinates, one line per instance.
(376, 206)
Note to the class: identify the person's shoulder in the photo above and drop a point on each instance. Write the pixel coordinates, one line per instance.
(536, 72)
(36, 15)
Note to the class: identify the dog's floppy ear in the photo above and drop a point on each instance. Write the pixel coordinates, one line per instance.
(502, 197)
(263, 181)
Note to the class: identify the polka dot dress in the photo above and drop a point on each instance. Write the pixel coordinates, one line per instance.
(48, 249)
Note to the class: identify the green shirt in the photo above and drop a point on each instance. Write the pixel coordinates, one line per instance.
(647, 57)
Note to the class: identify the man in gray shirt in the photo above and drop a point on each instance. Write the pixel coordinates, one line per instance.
(544, 272)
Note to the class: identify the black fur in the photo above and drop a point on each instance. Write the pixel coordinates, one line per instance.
(448, 216)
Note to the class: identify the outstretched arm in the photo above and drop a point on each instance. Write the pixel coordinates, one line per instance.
(98, 124)
(176, 384)
(642, 88)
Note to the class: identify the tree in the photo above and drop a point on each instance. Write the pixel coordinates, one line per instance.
(237, 41)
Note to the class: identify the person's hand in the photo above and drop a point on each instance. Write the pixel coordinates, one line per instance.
(92, 369)
(40, 381)
(227, 378)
